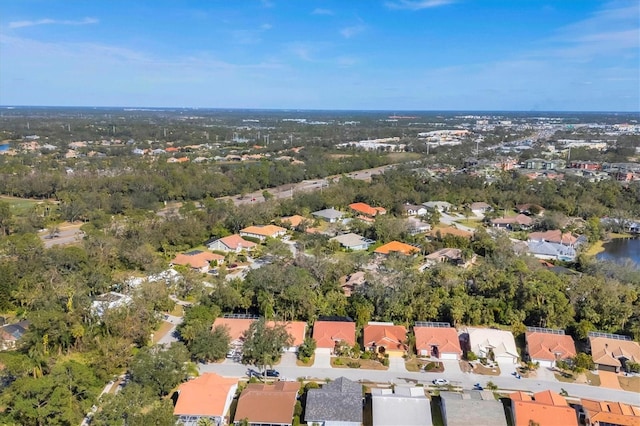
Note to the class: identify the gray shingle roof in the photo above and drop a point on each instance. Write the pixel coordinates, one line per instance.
(340, 400)
(329, 213)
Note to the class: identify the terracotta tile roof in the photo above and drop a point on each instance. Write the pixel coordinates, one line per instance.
(235, 241)
(545, 408)
(327, 333)
(297, 330)
(520, 219)
(446, 339)
(389, 336)
(262, 403)
(396, 246)
(363, 208)
(607, 412)
(554, 236)
(197, 260)
(206, 395)
(549, 346)
(235, 326)
(294, 220)
(606, 351)
(264, 230)
(238, 326)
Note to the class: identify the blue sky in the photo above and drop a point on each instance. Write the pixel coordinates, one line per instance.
(577, 55)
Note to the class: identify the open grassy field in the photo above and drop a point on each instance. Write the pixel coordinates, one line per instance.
(397, 157)
(19, 206)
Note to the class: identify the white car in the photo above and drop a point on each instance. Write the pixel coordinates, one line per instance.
(440, 382)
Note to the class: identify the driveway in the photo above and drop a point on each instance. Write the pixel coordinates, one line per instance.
(288, 360)
(171, 335)
(451, 366)
(507, 368)
(396, 365)
(322, 359)
(544, 373)
(609, 380)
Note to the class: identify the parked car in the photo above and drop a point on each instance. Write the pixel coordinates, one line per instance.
(440, 382)
(477, 387)
(231, 353)
(272, 373)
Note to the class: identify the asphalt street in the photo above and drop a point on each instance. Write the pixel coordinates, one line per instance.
(457, 378)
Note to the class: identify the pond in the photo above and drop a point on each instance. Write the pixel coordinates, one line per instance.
(619, 249)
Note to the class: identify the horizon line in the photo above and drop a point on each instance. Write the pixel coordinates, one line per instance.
(322, 109)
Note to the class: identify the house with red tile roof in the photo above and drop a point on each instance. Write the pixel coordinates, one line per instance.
(237, 328)
(547, 346)
(293, 221)
(522, 221)
(206, 397)
(263, 232)
(264, 404)
(611, 352)
(558, 237)
(231, 244)
(605, 413)
(366, 210)
(396, 247)
(328, 334)
(198, 260)
(385, 337)
(438, 342)
(543, 408)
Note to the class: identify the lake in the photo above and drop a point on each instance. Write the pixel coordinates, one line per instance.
(621, 248)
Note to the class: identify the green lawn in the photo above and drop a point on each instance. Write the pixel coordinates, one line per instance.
(19, 206)
(471, 223)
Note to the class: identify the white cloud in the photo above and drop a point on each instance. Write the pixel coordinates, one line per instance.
(416, 4)
(48, 21)
(349, 32)
(266, 27)
(612, 31)
(320, 11)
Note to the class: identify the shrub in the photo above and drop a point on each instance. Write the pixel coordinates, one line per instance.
(583, 362)
(471, 356)
(338, 361)
(311, 385)
(297, 410)
(353, 364)
(633, 367)
(307, 348)
(430, 366)
(385, 362)
(366, 355)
